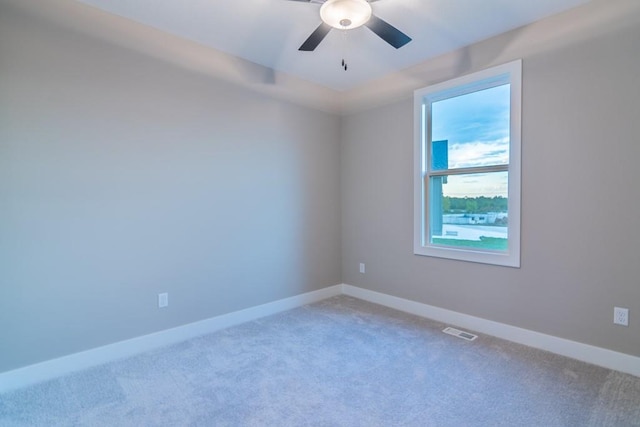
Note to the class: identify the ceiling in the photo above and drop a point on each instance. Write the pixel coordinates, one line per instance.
(269, 32)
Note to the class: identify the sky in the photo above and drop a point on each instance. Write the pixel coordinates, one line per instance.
(476, 126)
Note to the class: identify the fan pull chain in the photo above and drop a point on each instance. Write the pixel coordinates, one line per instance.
(344, 49)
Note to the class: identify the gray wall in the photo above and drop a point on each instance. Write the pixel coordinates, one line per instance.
(122, 176)
(580, 204)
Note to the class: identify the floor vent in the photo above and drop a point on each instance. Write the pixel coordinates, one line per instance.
(460, 334)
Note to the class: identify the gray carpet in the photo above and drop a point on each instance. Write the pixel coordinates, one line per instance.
(340, 362)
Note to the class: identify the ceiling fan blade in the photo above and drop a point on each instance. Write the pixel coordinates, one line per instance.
(315, 38)
(387, 32)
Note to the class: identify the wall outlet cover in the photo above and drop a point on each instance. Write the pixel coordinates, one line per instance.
(163, 300)
(621, 316)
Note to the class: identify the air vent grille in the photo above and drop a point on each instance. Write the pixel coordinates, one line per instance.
(460, 334)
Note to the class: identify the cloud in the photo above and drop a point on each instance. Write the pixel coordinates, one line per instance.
(479, 153)
(480, 184)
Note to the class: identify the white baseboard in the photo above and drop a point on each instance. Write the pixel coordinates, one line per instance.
(575, 350)
(54, 368)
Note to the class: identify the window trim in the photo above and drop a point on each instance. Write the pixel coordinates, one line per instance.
(480, 80)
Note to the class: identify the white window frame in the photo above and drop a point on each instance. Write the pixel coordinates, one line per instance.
(507, 73)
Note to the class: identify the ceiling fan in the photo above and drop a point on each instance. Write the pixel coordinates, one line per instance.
(350, 14)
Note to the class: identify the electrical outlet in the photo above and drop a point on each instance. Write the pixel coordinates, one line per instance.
(362, 267)
(621, 316)
(163, 300)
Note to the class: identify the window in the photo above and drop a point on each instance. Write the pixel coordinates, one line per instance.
(467, 167)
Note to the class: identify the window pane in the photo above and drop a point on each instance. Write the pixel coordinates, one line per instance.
(471, 130)
(469, 211)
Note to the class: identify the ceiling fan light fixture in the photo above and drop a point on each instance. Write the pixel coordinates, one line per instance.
(345, 14)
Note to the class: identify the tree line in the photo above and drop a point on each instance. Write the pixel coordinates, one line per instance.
(481, 204)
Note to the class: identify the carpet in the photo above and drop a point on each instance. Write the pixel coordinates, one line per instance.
(339, 362)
